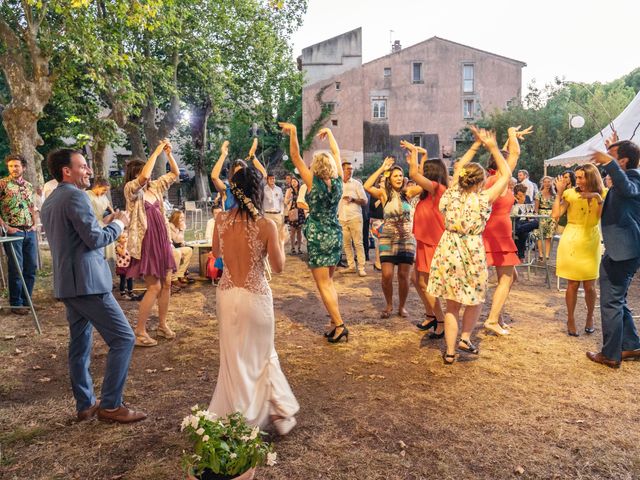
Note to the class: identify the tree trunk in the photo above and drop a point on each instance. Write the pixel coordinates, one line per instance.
(156, 132)
(135, 140)
(100, 167)
(26, 71)
(21, 125)
(199, 120)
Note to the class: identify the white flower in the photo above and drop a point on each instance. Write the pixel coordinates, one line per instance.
(194, 421)
(185, 421)
(200, 431)
(254, 432)
(209, 416)
(205, 438)
(271, 458)
(200, 413)
(244, 438)
(195, 408)
(233, 455)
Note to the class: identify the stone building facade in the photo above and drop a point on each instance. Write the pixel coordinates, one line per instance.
(424, 94)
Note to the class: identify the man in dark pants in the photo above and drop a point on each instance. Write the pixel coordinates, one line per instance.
(82, 280)
(17, 218)
(621, 232)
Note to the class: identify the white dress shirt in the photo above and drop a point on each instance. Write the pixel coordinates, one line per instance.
(350, 210)
(273, 201)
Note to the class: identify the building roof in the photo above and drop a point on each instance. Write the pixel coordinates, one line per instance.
(434, 38)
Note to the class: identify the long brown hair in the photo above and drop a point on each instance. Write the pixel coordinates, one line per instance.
(435, 170)
(592, 177)
(133, 169)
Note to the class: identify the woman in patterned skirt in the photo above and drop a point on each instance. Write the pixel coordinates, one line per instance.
(397, 244)
(322, 229)
(544, 205)
(459, 268)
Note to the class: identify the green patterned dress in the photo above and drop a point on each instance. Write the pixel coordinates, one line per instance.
(322, 228)
(547, 226)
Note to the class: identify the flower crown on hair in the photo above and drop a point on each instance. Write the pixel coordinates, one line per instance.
(463, 172)
(246, 201)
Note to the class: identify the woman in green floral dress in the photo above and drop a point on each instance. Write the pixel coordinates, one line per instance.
(322, 229)
(544, 203)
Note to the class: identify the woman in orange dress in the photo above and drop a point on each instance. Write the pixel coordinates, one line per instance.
(501, 250)
(428, 227)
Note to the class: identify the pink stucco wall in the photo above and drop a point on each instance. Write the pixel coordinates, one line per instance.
(432, 107)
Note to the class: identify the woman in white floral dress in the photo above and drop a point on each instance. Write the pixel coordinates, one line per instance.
(459, 268)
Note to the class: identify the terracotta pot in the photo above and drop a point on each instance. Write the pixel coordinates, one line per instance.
(248, 475)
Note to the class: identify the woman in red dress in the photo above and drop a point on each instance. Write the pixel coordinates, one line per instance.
(498, 239)
(428, 227)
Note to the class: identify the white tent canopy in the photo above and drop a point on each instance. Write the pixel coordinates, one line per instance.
(625, 124)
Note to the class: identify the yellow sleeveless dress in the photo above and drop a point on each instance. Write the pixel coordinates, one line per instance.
(579, 250)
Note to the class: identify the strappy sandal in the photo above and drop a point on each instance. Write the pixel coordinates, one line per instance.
(166, 333)
(467, 346)
(449, 358)
(145, 341)
(385, 314)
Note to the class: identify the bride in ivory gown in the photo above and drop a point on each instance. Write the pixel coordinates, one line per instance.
(250, 379)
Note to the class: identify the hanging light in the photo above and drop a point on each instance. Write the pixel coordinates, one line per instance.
(576, 121)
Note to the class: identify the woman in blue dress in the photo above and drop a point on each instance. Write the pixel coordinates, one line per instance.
(322, 228)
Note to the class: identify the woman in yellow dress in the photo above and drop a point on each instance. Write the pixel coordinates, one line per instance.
(579, 252)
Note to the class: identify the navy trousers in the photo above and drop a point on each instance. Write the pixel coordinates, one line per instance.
(27, 256)
(102, 312)
(618, 330)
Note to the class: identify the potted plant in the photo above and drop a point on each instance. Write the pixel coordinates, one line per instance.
(224, 448)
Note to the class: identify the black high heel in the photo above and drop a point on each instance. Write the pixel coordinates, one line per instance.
(589, 330)
(428, 326)
(344, 333)
(436, 336)
(330, 334)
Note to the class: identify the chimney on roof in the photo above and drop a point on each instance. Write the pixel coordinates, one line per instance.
(396, 47)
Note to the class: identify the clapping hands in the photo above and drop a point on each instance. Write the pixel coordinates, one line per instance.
(560, 184)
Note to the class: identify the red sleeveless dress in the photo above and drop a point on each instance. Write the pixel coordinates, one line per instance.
(428, 227)
(498, 234)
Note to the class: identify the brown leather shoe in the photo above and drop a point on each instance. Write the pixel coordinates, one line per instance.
(600, 358)
(630, 354)
(121, 415)
(20, 311)
(88, 413)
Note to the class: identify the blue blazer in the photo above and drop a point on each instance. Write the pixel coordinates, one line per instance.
(77, 243)
(621, 214)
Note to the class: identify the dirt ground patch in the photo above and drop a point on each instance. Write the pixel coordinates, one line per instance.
(382, 406)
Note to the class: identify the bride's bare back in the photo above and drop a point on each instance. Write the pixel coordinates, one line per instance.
(243, 244)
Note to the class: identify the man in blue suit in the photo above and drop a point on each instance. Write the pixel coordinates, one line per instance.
(82, 280)
(621, 233)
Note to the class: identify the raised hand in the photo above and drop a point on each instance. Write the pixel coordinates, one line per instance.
(324, 133)
(224, 148)
(167, 146)
(611, 140)
(560, 185)
(409, 146)
(422, 151)
(288, 129)
(601, 158)
(476, 134)
(520, 134)
(254, 147)
(487, 137)
(388, 163)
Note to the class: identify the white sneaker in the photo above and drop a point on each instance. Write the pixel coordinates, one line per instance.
(362, 273)
(284, 425)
